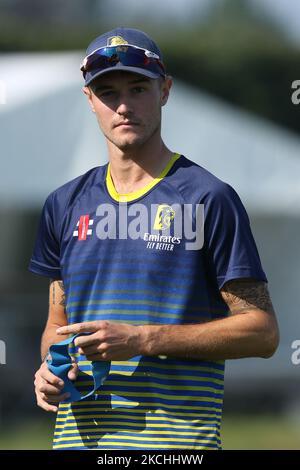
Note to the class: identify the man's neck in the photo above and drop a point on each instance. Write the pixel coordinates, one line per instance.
(132, 170)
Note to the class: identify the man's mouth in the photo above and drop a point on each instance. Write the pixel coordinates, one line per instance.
(127, 124)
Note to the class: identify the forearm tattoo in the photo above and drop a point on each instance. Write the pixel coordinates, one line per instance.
(245, 294)
(63, 299)
(53, 290)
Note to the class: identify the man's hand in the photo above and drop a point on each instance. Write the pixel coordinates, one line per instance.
(48, 387)
(109, 341)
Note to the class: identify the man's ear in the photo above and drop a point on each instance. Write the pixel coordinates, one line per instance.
(89, 94)
(165, 89)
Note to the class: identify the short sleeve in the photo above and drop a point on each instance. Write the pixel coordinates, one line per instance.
(229, 244)
(46, 254)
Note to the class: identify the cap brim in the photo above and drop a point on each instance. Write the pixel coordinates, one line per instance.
(91, 76)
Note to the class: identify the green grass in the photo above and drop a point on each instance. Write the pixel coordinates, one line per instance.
(238, 432)
(34, 435)
(260, 432)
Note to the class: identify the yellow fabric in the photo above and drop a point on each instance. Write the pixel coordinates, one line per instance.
(127, 197)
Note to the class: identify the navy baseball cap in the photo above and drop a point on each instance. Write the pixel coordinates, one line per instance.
(122, 48)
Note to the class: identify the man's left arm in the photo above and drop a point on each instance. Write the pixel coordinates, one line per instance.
(250, 330)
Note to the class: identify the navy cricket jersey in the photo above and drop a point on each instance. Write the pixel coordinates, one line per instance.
(131, 267)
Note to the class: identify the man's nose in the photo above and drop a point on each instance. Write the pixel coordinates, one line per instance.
(124, 106)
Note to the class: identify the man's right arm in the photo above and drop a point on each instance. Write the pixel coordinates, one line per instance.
(48, 387)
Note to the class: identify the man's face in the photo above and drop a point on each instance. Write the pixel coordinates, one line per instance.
(128, 107)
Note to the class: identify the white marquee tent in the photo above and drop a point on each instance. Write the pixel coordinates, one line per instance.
(46, 125)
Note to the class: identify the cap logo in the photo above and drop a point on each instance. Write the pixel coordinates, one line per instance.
(116, 41)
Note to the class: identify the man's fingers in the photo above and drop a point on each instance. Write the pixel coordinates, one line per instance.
(98, 357)
(85, 327)
(86, 351)
(51, 378)
(83, 341)
(73, 372)
(48, 389)
(49, 402)
(49, 398)
(45, 406)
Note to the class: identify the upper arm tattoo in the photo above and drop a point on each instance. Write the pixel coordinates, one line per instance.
(242, 295)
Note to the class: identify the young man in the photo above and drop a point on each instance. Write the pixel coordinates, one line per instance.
(122, 247)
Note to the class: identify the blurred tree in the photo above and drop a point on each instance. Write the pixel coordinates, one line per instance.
(34, 9)
(240, 56)
(61, 11)
(232, 8)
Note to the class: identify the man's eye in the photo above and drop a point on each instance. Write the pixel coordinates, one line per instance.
(106, 94)
(138, 89)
